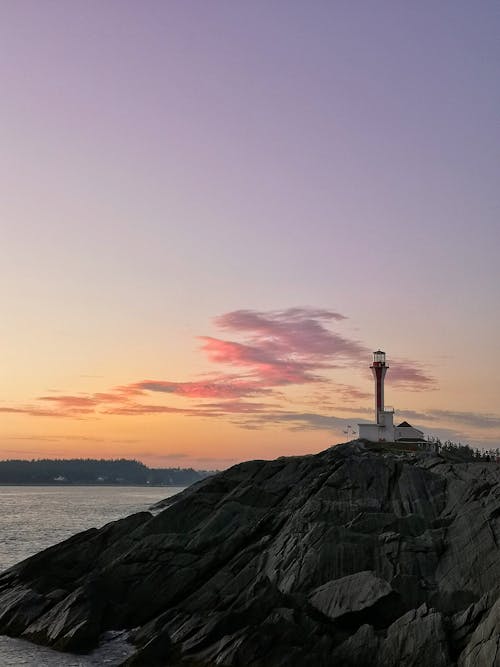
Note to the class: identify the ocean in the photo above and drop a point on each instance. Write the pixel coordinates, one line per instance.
(33, 518)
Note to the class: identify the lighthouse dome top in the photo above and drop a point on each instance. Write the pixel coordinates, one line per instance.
(379, 357)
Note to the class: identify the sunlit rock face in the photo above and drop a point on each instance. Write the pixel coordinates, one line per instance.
(349, 557)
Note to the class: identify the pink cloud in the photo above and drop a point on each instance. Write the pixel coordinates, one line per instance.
(109, 397)
(130, 409)
(283, 347)
(217, 386)
(123, 392)
(33, 411)
(297, 331)
(274, 350)
(409, 375)
(348, 393)
(70, 406)
(235, 407)
(267, 367)
(71, 401)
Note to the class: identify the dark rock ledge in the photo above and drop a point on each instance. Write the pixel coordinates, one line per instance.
(349, 557)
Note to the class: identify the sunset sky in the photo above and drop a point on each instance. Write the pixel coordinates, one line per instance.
(213, 212)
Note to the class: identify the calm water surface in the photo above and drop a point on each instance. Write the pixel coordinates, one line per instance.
(33, 518)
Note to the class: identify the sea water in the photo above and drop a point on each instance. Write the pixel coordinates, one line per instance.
(33, 518)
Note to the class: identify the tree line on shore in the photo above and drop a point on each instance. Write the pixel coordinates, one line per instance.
(459, 452)
(95, 471)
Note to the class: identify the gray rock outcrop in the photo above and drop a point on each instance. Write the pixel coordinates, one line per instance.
(348, 557)
(349, 595)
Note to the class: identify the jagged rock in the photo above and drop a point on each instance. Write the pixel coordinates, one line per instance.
(350, 595)
(358, 650)
(417, 638)
(463, 623)
(71, 624)
(348, 557)
(484, 645)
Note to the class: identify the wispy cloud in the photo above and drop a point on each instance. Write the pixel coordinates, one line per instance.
(294, 421)
(131, 409)
(300, 332)
(410, 375)
(214, 386)
(235, 407)
(274, 351)
(476, 420)
(72, 404)
(56, 438)
(31, 411)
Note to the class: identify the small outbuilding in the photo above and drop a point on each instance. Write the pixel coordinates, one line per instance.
(407, 432)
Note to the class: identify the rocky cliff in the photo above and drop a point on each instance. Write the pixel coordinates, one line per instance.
(348, 557)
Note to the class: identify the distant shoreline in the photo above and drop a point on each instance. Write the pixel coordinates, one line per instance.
(94, 472)
(94, 484)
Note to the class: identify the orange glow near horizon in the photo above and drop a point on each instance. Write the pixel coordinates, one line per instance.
(291, 384)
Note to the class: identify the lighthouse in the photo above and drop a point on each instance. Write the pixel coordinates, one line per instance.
(383, 429)
(379, 369)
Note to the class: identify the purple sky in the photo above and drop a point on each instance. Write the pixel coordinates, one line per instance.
(168, 163)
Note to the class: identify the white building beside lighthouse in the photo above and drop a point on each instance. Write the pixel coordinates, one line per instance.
(383, 430)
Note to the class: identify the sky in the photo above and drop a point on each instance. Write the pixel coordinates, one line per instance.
(213, 212)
